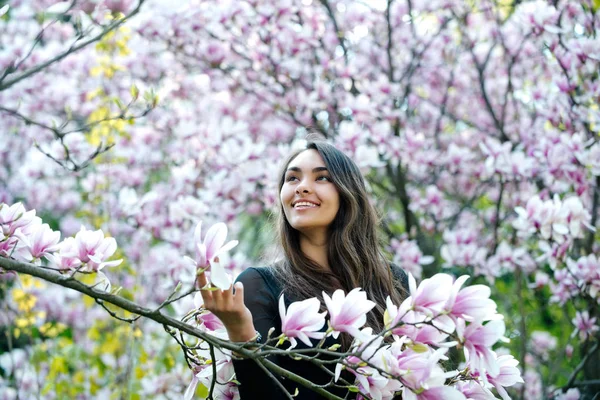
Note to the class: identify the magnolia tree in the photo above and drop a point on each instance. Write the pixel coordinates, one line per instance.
(475, 123)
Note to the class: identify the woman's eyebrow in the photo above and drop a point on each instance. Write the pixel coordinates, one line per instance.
(317, 169)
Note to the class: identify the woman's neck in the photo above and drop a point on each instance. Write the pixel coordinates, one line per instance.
(315, 248)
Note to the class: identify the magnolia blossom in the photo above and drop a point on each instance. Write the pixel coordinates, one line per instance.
(301, 320)
(408, 255)
(15, 217)
(543, 343)
(204, 368)
(208, 251)
(585, 325)
(474, 390)
(42, 242)
(88, 251)
(368, 377)
(347, 313)
(471, 303)
(507, 375)
(554, 218)
(411, 324)
(423, 377)
(587, 270)
(431, 296)
(477, 340)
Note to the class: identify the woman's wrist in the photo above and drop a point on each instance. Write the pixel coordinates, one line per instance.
(246, 334)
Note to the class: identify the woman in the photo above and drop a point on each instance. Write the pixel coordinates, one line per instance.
(328, 234)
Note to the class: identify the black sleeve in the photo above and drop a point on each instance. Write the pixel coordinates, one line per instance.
(260, 300)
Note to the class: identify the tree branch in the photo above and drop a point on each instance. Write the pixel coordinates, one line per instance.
(73, 49)
(157, 316)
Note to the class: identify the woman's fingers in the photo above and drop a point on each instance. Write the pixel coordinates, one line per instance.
(201, 280)
(207, 295)
(238, 296)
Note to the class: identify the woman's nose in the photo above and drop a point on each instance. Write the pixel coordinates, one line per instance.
(303, 187)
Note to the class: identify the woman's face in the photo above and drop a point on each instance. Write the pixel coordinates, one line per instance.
(310, 200)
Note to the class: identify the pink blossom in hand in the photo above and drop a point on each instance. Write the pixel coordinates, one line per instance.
(347, 313)
(209, 249)
(42, 242)
(302, 320)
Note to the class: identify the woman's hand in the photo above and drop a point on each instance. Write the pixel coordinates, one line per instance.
(229, 307)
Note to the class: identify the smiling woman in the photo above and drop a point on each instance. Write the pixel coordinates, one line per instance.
(328, 236)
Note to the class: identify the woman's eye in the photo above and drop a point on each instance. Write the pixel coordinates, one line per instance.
(323, 178)
(290, 178)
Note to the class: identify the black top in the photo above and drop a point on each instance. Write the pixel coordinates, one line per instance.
(261, 296)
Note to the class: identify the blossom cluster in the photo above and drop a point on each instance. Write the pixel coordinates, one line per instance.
(26, 238)
(404, 358)
(554, 219)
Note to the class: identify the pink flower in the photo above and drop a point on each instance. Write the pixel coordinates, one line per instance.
(408, 255)
(302, 320)
(40, 243)
(508, 374)
(478, 340)
(347, 313)
(585, 325)
(410, 324)
(471, 303)
(209, 249)
(542, 343)
(89, 249)
(422, 376)
(15, 217)
(473, 390)
(432, 294)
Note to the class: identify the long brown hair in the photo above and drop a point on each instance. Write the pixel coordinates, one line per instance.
(354, 250)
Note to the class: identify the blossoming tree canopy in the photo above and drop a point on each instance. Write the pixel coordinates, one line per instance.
(475, 124)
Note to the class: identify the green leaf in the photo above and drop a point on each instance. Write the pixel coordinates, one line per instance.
(135, 92)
